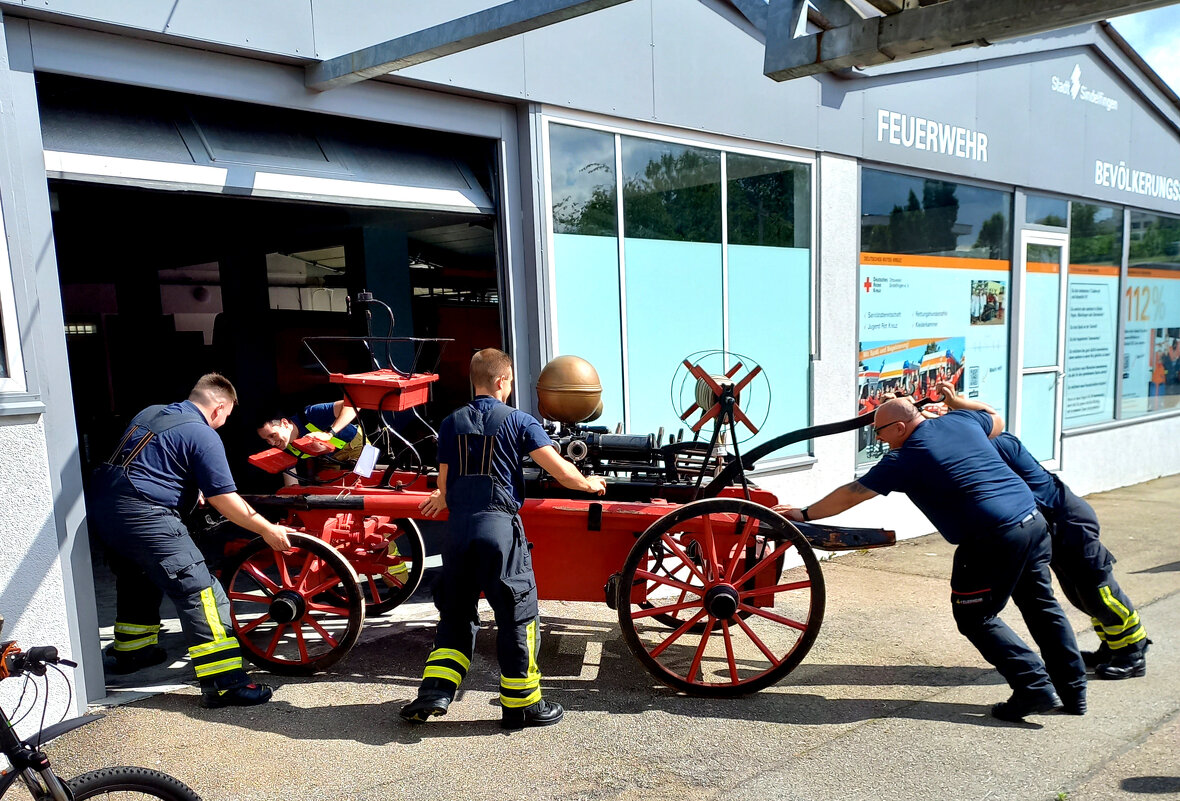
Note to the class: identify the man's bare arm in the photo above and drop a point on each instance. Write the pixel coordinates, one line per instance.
(838, 500)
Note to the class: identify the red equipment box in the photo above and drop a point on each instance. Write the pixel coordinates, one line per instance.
(386, 390)
(273, 460)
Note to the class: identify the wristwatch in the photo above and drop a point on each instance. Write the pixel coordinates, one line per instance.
(806, 517)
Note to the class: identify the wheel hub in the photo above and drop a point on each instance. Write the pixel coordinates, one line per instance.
(287, 606)
(721, 601)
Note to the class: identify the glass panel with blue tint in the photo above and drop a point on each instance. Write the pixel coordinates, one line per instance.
(1042, 303)
(587, 288)
(1091, 313)
(1151, 337)
(673, 310)
(1038, 414)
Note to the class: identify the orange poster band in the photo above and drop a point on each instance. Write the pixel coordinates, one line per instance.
(884, 350)
(944, 262)
(1093, 269)
(1042, 267)
(1153, 272)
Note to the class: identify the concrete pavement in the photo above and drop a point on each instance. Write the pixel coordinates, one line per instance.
(891, 703)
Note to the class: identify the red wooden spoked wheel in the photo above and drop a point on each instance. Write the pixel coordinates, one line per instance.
(388, 578)
(294, 612)
(715, 567)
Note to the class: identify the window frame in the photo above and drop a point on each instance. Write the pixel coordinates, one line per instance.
(16, 381)
(723, 145)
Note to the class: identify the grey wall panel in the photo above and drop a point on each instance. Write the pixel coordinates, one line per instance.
(1004, 105)
(342, 26)
(708, 74)
(840, 100)
(497, 69)
(273, 26)
(600, 62)
(148, 15)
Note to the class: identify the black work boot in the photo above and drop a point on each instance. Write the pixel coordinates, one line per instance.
(124, 662)
(1024, 703)
(542, 713)
(427, 705)
(1126, 665)
(246, 695)
(1095, 658)
(1073, 702)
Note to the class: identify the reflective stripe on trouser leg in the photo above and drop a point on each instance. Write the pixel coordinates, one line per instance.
(516, 693)
(130, 637)
(219, 656)
(1129, 631)
(447, 665)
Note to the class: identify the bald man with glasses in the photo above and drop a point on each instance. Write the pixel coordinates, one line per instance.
(948, 467)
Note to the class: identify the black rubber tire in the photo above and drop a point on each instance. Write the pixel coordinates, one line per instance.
(337, 594)
(143, 783)
(664, 654)
(409, 543)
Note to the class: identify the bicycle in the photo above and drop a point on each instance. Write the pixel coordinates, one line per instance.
(31, 766)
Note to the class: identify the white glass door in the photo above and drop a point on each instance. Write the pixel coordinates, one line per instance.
(1041, 344)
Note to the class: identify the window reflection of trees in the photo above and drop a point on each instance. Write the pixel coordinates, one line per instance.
(1095, 234)
(946, 219)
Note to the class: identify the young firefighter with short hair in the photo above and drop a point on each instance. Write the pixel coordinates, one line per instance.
(481, 485)
(169, 455)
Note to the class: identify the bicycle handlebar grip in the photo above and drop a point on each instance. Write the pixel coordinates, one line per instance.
(41, 655)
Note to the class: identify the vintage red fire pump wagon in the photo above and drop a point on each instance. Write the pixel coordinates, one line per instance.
(716, 593)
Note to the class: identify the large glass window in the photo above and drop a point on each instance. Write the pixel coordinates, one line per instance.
(680, 280)
(1092, 304)
(934, 278)
(1040, 210)
(1151, 333)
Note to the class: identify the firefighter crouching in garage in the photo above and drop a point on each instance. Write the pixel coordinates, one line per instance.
(167, 455)
(330, 423)
(481, 483)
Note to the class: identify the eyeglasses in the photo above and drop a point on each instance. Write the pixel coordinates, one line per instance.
(877, 429)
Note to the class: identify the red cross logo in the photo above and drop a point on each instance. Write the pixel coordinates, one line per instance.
(868, 284)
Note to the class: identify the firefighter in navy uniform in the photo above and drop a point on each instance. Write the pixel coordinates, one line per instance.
(331, 423)
(1083, 567)
(167, 456)
(481, 483)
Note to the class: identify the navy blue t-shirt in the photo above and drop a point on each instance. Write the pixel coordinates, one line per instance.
(322, 415)
(1046, 488)
(950, 470)
(174, 465)
(519, 436)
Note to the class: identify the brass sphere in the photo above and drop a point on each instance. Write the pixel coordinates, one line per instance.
(568, 390)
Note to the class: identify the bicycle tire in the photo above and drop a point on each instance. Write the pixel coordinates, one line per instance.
(133, 782)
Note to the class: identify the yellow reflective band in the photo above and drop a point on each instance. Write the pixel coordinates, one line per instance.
(436, 672)
(135, 645)
(400, 569)
(131, 628)
(335, 442)
(527, 683)
(518, 703)
(213, 668)
(531, 638)
(204, 649)
(1128, 624)
(1130, 639)
(449, 653)
(212, 617)
(1113, 604)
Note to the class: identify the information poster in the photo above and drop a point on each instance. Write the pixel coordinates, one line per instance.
(1151, 344)
(1090, 335)
(925, 319)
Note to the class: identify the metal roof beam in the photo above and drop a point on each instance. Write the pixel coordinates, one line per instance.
(754, 11)
(919, 31)
(490, 25)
